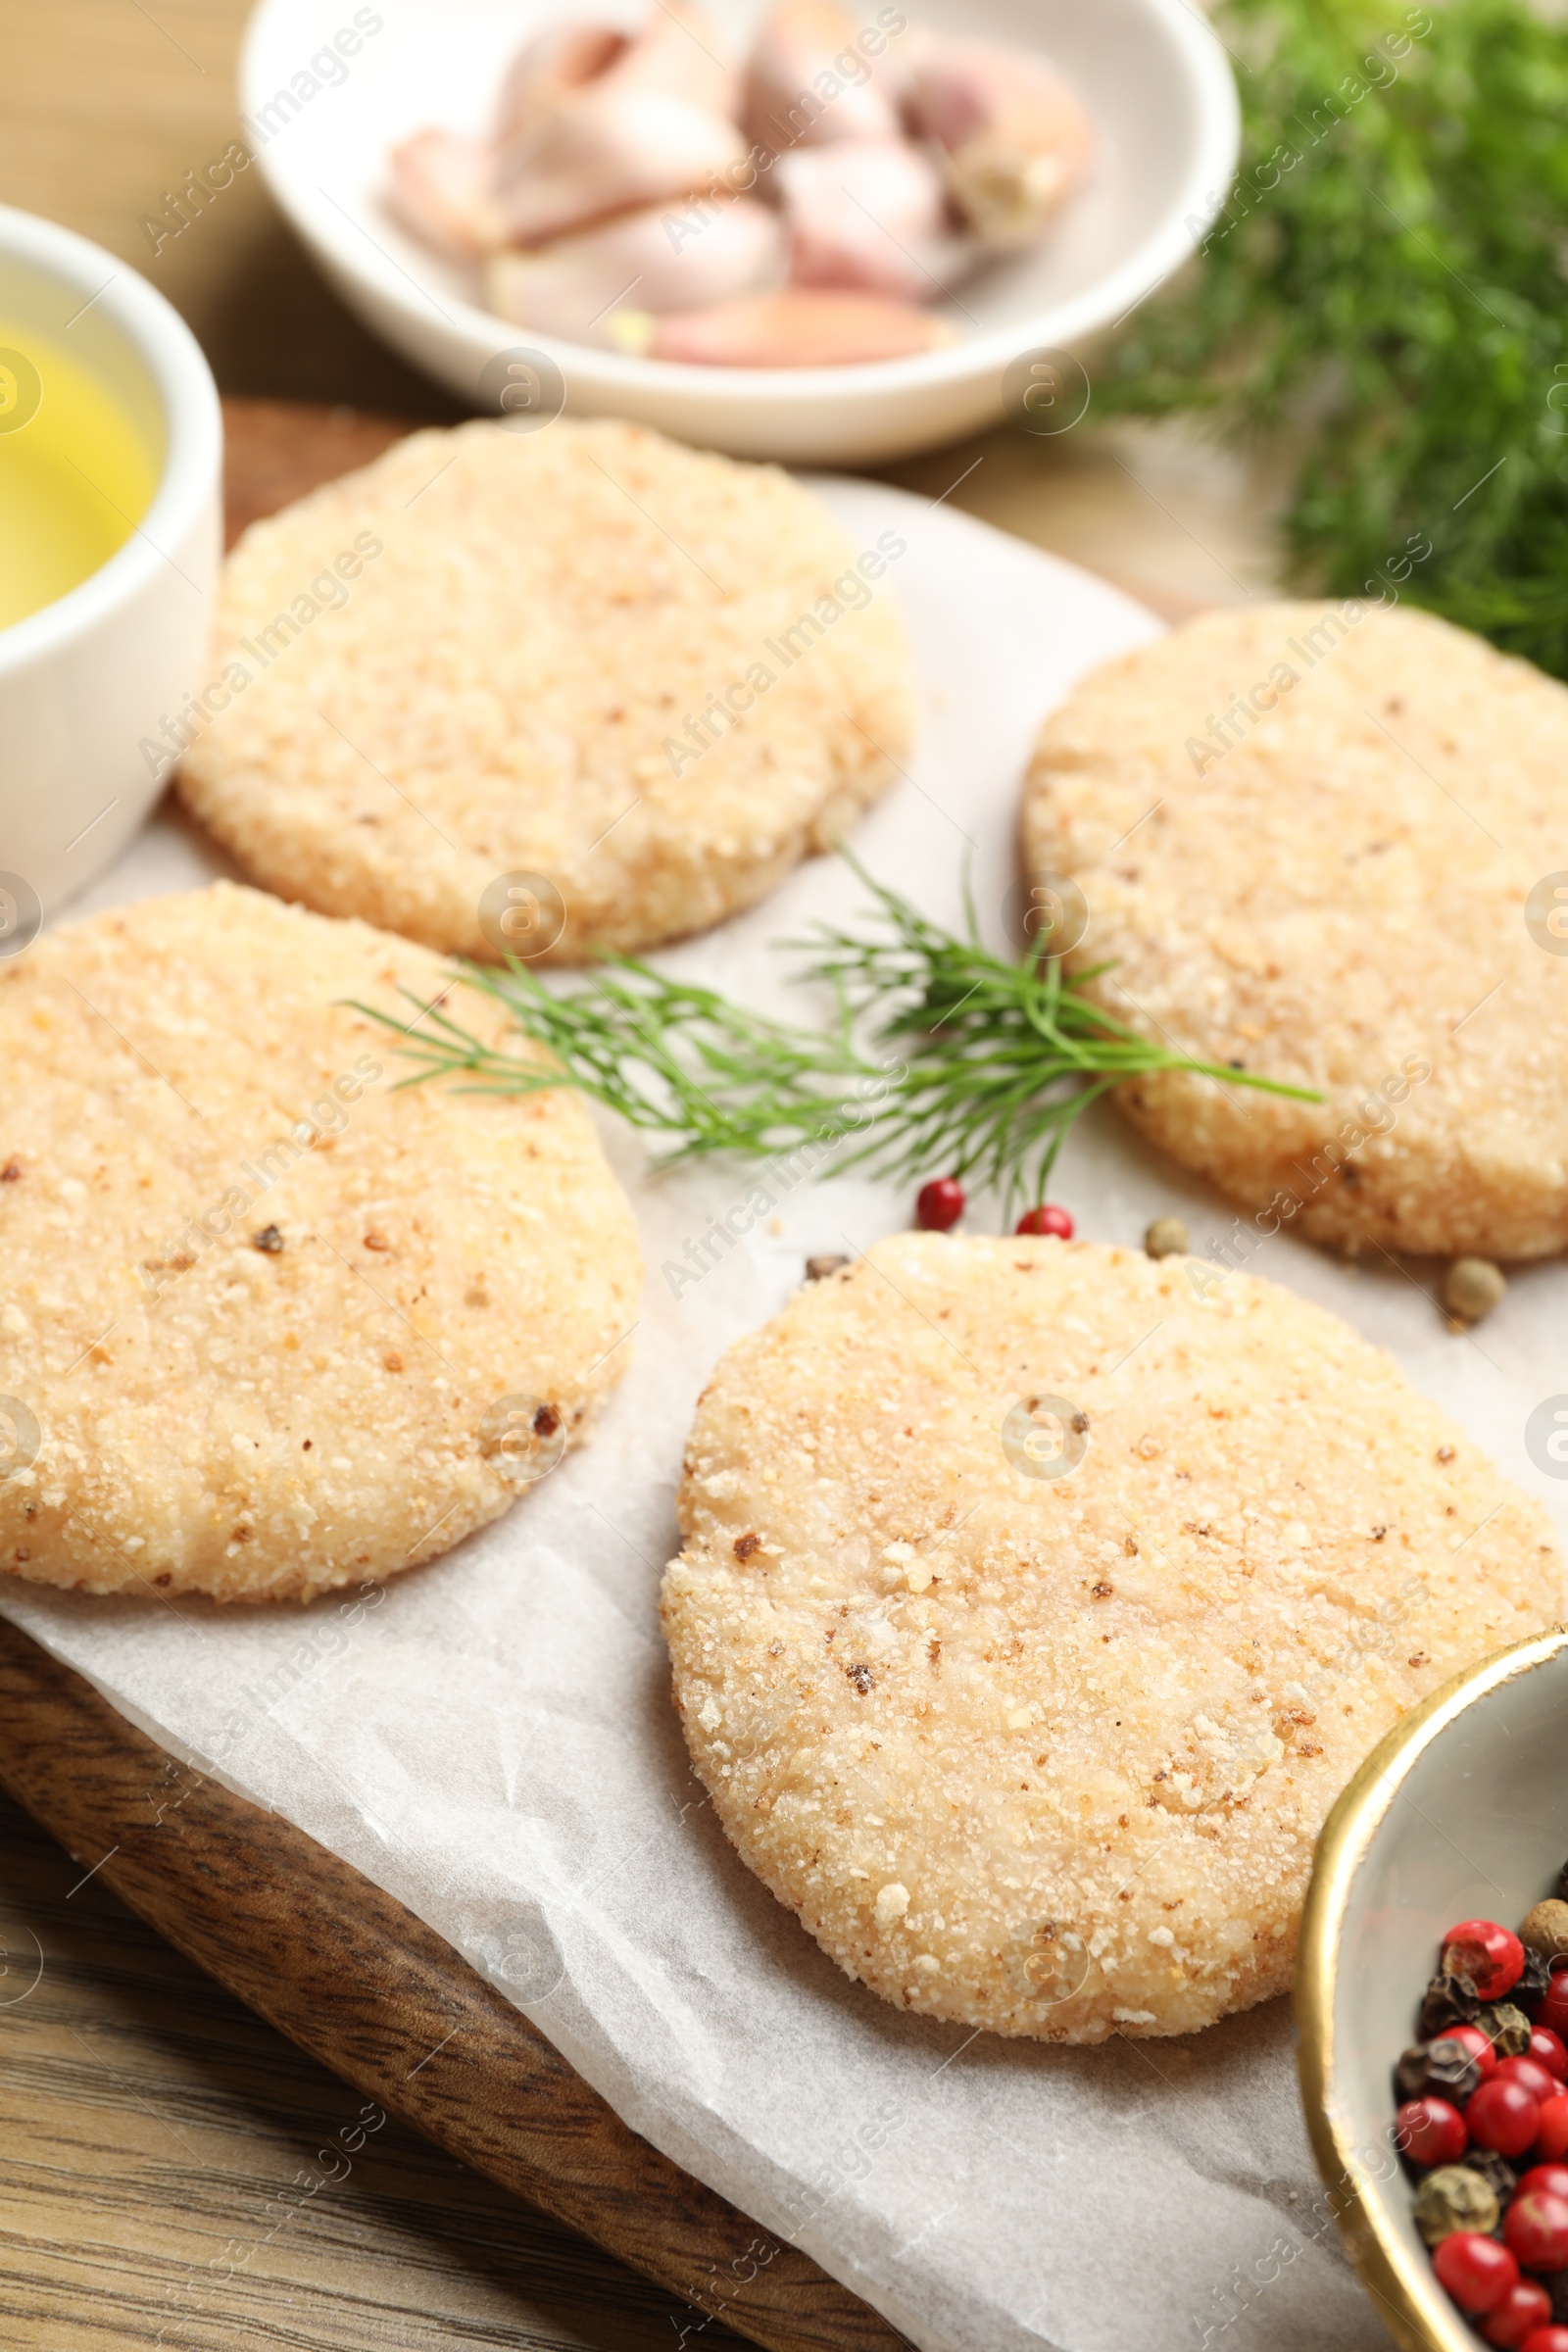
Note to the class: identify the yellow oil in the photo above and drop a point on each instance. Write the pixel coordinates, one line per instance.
(75, 475)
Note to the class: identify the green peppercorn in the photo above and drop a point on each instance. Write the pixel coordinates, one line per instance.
(1506, 2028)
(1454, 2197)
(1167, 1236)
(1472, 1288)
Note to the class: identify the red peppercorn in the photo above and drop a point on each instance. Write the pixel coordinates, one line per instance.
(1048, 1219)
(1534, 2229)
(1431, 2132)
(1476, 2270)
(1535, 2079)
(938, 1204)
(1546, 2340)
(1553, 2178)
(1503, 2116)
(1552, 2011)
(1551, 2132)
(1523, 2307)
(1547, 2049)
(1492, 1957)
(1478, 2046)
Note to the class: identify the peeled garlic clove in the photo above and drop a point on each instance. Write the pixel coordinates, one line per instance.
(810, 83)
(681, 53)
(678, 52)
(551, 67)
(576, 285)
(1015, 138)
(799, 327)
(610, 151)
(870, 215)
(441, 190)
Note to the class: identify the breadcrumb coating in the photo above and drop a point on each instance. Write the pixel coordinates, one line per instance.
(267, 1324)
(1330, 885)
(1049, 1753)
(504, 687)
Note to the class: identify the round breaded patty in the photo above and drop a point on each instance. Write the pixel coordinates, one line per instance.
(267, 1324)
(650, 678)
(1308, 836)
(1036, 1603)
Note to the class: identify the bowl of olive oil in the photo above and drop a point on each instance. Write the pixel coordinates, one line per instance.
(111, 454)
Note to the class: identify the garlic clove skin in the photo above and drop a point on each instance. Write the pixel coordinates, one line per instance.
(551, 67)
(1015, 138)
(799, 327)
(611, 151)
(649, 261)
(867, 215)
(440, 190)
(802, 46)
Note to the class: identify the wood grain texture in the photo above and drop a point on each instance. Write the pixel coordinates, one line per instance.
(274, 450)
(356, 1981)
(152, 2131)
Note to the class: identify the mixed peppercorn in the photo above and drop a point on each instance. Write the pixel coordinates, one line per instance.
(940, 1204)
(1483, 2122)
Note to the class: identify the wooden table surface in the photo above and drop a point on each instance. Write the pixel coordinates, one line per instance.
(146, 2117)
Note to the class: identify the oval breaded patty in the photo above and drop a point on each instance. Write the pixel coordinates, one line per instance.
(505, 683)
(1048, 1754)
(258, 1310)
(1339, 898)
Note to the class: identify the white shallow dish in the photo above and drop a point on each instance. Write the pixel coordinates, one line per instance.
(87, 682)
(1153, 77)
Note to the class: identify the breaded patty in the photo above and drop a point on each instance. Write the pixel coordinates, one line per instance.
(1034, 1609)
(1322, 847)
(267, 1325)
(649, 678)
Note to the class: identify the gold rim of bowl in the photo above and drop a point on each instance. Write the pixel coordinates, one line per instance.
(1401, 2283)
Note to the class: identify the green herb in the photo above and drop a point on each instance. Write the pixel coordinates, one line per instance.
(984, 1062)
(1387, 282)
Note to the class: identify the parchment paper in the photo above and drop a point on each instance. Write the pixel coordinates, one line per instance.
(493, 1742)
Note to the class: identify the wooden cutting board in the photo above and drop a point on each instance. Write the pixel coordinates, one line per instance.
(335, 1964)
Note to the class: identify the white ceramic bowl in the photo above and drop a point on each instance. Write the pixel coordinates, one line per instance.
(87, 682)
(1153, 77)
(1461, 1813)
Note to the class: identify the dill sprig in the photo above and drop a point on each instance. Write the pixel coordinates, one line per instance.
(972, 1064)
(1385, 282)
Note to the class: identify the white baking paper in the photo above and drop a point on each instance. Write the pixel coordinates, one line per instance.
(493, 1741)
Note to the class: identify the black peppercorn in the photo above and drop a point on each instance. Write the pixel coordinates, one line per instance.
(1556, 2286)
(1530, 1989)
(1499, 2177)
(1410, 2074)
(1448, 2001)
(1444, 2066)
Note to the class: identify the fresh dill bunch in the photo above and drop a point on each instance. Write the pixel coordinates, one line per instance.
(1386, 282)
(971, 1063)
